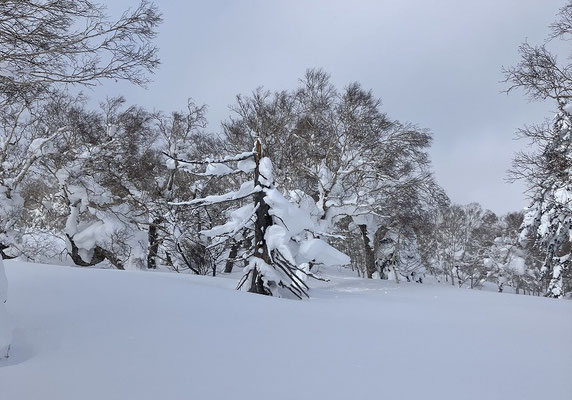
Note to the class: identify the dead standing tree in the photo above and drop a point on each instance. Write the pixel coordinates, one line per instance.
(262, 222)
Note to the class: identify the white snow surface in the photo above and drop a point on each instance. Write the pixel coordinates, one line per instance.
(104, 334)
(5, 320)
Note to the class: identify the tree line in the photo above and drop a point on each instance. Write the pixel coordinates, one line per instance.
(294, 180)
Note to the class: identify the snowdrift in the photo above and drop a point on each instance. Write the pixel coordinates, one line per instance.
(105, 334)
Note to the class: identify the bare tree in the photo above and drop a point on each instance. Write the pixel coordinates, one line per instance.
(43, 43)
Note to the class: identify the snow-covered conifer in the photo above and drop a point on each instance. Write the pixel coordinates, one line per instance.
(548, 169)
(548, 219)
(284, 235)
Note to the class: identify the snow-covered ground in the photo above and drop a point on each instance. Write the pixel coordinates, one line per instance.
(86, 334)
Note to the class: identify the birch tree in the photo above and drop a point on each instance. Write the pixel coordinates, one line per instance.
(45, 46)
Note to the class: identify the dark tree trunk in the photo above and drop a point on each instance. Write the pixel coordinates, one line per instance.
(169, 261)
(99, 255)
(232, 255)
(3, 255)
(369, 253)
(116, 262)
(188, 263)
(263, 221)
(153, 239)
(96, 258)
(257, 284)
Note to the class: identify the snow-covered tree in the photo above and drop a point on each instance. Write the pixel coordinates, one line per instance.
(44, 47)
(460, 239)
(548, 219)
(508, 263)
(284, 234)
(340, 149)
(99, 173)
(22, 144)
(398, 256)
(548, 170)
(479, 228)
(174, 237)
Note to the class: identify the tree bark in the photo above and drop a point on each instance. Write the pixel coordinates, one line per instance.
(369, 253)
(3, 255)
(231, 256)
(153, 239)
(263, 221)
(99, 255)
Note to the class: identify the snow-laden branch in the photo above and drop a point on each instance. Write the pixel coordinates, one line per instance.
(35, 149)
(237, 223)
(215, 168)
(246, 190)
(238, 157)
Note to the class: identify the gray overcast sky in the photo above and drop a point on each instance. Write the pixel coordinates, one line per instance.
(435, 63)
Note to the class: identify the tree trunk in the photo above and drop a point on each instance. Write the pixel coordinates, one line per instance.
(153, 239)
(99, 255)
(96, 258)
(116, 262)
(263, 221)
(257, 284)
(369, 253)
(4, 255)
(232, 255)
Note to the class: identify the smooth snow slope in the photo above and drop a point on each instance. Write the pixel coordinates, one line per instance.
(87, 334)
